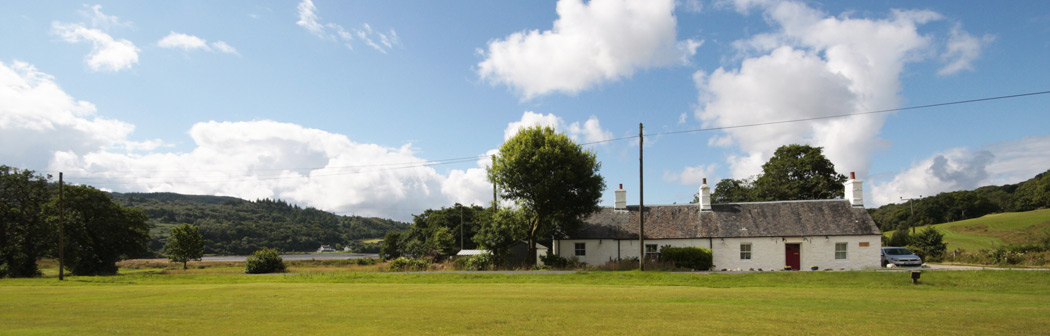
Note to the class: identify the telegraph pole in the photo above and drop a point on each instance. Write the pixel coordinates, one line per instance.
(641, 203)
(461, 228)
(61, 238)
(495, 199)
(911, 218)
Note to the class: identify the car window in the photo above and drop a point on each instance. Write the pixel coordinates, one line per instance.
(898, 251)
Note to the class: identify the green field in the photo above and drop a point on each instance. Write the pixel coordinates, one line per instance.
(993, 230)
(862, 303)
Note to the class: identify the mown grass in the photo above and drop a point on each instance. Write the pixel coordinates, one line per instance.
(966, 302)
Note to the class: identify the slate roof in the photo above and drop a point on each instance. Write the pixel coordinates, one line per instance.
(732, 220)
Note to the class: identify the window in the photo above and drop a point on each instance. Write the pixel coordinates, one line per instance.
(652, 252)
(581, 249)
(745, 251)
(840, 250)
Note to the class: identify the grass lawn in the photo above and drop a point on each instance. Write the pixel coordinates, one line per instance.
(961, 302)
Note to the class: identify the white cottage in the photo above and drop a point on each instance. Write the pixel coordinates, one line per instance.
(829, 234)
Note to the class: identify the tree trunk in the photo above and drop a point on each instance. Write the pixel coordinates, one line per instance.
(184, 264)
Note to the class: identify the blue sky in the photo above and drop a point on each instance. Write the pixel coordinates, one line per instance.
(386, 109)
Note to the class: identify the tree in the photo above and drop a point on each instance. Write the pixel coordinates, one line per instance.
(266, 260)
(391, 246)
(100, 232)
(901, 237)
(25, 235)
(795, 172)
(506, 228)
(185, 244)
(799, 172)
(929, 244)
(551, 176)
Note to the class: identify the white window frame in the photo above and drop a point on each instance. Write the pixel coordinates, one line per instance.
(843, 253)
(580, 249)
(654, 254)
(746, 254)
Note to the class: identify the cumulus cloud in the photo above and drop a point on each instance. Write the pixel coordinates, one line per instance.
(107, 53)
(967, 169)
(99, 19)
(962, 50)
(692, 176)
(813, 65)
(589, 132)
(590, 43)
(189, 43)
(311, 21)
(38, 118)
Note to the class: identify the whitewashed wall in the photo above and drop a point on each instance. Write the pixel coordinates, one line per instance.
(766, 253)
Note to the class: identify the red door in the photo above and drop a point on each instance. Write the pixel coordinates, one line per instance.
(793, 254)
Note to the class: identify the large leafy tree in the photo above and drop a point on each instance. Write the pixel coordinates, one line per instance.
(799, 172)
(24, 233)
(185, 244)
(100, 232)
(499, 234)
(795, 172)
(552, 177)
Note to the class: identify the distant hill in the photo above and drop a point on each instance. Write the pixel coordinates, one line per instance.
(994, 230)
(961, 205)
(232, 225)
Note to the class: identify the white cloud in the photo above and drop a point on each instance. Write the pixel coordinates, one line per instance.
(590, 43)
(189, 43)
(591, 131)
(962, 50)
(99, 19)
(966, 169)
(310, 20)
(107, 53)
(814, 65)
(38, 118)
(182, 41)
(223, 47)
(692, 176)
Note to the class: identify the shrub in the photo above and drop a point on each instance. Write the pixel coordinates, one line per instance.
(266, 260)
(900, 238)
(929, 244)
(366, 261)
(695, 258)
(402, 264)
(558, 262)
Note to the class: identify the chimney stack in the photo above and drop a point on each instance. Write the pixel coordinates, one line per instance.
(854, 191)
(621, 198)
(705, 196)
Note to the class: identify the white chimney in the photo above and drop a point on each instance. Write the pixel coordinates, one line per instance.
(705, 196)
(854, 191)
(621, 198)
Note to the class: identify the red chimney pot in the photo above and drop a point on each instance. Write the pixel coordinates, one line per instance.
(852, 176)
(705, 180)
(621, 186)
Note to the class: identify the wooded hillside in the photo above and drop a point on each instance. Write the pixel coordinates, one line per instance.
(959, 205)
(235, 226)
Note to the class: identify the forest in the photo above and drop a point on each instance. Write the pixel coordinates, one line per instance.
(235, 226)
(959, 205)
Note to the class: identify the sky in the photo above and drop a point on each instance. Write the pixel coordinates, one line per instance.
(378, 108)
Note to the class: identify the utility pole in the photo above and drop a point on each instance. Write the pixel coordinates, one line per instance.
(61, 238)
(911, 218)
(495, 199)
(461, 228)
(641, 203)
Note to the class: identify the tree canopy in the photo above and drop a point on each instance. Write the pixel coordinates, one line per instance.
(185, 244)
(100, 232)
(795, 172)
(25, 235)
(552, 177)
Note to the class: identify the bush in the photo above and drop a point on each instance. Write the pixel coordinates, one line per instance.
(479, 262)
(266, 260)
(558, 262)
(929, 244)
(366, 261)
(695, 258)
(402, 264)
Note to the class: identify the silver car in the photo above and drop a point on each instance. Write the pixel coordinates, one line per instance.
(899, 256)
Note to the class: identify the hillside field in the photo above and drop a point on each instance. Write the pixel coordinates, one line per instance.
(993, 230)
(343, 302)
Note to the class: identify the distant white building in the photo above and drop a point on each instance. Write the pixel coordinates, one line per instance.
(325, 248)
(829, 234)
